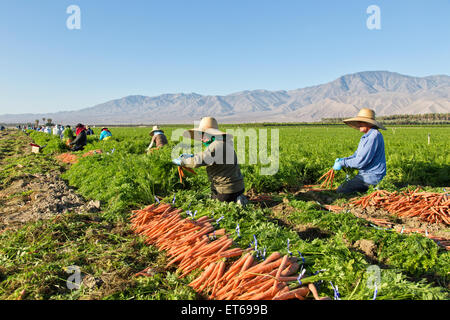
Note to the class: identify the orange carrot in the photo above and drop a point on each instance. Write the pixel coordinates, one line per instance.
(302, 291)
(280, 269)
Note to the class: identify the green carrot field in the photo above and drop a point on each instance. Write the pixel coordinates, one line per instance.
(34, 258)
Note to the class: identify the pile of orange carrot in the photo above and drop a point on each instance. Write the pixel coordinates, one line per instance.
(227, 272)
(67, 158)
(427, 206)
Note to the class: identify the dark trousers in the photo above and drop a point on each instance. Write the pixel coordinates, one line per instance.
(356, 184)
(77, 148)
(226, 197)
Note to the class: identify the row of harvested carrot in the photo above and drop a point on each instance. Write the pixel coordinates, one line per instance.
(427, 206)
(228, 273)
(443, 242)
(71, 158)
(67, 158)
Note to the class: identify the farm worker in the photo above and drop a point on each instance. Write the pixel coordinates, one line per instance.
(159, 139)
(89, 131)
(48, 130)
(56, 130)
(219, 157)
(68, 135)
(369, 158)
(81, 139)
(105, 134)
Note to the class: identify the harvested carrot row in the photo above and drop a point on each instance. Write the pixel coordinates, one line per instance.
(229, 273)
(427, 206)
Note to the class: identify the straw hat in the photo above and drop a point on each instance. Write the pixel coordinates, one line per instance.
(208, 126)
(364, 115)
(155, 128)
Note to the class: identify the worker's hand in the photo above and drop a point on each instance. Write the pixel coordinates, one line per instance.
(177, 161)
(337, 164)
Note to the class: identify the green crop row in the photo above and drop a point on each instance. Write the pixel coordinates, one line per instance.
(124, 177)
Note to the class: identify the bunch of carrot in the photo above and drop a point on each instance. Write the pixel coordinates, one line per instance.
(427, 206)
(246, 279)
(328, 182)
(181, 173)
(228, 273)
(67, 158)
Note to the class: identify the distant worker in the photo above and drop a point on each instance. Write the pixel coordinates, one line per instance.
(48, 130)
(105, 134)
(219, 157)
(369, 158)
(68, 135)
(89, 131)
(56, 130)
(159, 139)
(81, 138)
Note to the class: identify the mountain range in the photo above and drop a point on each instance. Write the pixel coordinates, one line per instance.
(387, 93)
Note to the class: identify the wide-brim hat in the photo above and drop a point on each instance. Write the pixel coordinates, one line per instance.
(155, 128)
(364, 115)
(208, 126)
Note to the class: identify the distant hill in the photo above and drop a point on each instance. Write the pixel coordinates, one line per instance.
(388, 93)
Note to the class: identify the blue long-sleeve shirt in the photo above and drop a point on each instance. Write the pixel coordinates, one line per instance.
(369, 158)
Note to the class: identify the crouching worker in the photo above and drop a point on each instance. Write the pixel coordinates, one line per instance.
(159, 139)
(219, 157)
(369, 158)
(105, 134)
(67, 135)
(81, 138)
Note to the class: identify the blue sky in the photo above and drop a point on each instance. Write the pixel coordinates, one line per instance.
(206, 46)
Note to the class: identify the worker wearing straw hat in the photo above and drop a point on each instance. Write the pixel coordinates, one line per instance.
(219, 157)
(369, 158)
(159, 139)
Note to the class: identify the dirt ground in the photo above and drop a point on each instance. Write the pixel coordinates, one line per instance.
(36, 196)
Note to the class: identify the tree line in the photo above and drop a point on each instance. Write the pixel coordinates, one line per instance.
(426, 118)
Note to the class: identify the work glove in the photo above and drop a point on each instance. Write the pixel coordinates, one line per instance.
(177, 161)
(337, 164)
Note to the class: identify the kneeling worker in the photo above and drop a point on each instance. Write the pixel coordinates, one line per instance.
(219, 157)
(105, 134)
(159, 139)
(81, 139)
(369, 158)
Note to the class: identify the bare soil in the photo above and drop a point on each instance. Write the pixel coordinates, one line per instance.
(37, 196)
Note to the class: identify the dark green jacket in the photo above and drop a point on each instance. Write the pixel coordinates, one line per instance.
(222, 166)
